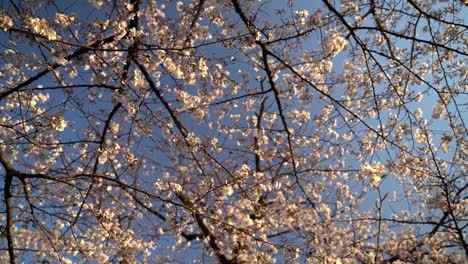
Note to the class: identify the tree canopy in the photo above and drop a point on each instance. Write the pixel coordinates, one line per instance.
(233, 131)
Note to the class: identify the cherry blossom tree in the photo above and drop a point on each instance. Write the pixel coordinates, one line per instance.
(233, 131)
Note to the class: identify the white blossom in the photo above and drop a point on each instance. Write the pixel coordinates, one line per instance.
(64, 20)
(5, 22)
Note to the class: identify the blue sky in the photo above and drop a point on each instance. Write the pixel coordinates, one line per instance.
(146, 144)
